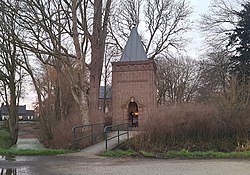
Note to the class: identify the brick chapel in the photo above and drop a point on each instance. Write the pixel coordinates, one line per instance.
(133, 84)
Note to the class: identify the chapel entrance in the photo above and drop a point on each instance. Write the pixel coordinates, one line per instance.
(133, 114)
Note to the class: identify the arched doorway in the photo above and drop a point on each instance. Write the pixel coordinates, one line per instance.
(133, 114)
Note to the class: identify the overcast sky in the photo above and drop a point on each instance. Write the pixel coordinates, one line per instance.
(200, 6)
(194, 49)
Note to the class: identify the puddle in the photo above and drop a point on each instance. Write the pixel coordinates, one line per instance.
(14, 171)
(8, 171)
(17, 159)
(11, 167)
(10, 158)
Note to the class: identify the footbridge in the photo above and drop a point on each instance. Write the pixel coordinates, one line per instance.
(95, 138)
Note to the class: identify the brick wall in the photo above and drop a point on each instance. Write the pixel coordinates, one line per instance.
(137, 80)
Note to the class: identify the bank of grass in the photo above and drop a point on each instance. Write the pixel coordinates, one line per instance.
(5, 143)
(175, 154)
(6, 150)
(29, 152)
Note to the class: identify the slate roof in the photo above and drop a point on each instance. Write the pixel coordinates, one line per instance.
(30, 113)
(134, 50)
(21, 110)
(109, 92)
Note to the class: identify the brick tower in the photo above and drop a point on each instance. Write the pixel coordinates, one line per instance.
(133, 84)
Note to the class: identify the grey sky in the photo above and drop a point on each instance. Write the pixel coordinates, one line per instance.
(200, 6)
(195, 47)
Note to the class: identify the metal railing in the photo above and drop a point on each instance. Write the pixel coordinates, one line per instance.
(91, 131)
(121, 129)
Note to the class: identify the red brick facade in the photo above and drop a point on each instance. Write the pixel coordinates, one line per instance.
(133, 81)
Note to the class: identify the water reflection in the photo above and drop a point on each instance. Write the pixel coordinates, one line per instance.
(16, 171)
(8, 172)
(24, 170)
(9, 157)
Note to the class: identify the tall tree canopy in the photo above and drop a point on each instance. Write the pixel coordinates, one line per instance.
(164, 22)
(226, 28)
(240, 40)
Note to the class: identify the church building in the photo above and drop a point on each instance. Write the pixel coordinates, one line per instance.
(133, 84)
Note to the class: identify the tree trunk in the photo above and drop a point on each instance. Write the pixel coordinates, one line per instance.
(97, 52)
(82, 100)
(13, 116)
(84, 108)
(13, 126)
(95, 77)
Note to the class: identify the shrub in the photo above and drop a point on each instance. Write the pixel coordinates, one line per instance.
(62, 135)
(193, 127)
(5, 139)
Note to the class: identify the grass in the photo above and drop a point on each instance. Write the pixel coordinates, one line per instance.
(175, 154)
(29, 152)
(208, 154)
(119, 153)
(5, 142)
(5, 150)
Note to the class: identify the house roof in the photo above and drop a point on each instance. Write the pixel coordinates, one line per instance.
(108, 92)
(30, 112)
(21, 110)
(134, 50)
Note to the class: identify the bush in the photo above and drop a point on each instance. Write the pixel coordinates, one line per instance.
(5, 139)
(193, 127)
(62, 135)
(58, 134)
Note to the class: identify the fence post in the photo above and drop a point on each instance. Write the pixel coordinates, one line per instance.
(74, 135)
(118, 134)
(106, 138)
(128, 131)
(92, 134)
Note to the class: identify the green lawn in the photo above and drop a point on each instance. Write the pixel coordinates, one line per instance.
(29, 152)
(176, 154)
(5, 143)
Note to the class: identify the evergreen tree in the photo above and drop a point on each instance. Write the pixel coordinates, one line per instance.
(240, 40)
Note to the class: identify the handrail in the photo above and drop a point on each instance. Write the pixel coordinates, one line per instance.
(119, 127)
(93, 133)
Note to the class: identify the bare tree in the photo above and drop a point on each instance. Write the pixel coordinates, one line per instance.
(165, 21)
(97, 40)
(60, 34)
(178, 80)
(220, 21)
(215, 76)
(218, 27)
(10, 72)
(125, 15)
(111, 54)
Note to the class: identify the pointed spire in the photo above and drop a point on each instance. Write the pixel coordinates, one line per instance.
(134, 50)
